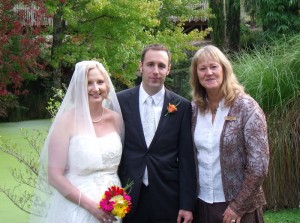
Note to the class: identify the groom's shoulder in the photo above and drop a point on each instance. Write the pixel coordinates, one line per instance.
(178, 97)
(127, 92)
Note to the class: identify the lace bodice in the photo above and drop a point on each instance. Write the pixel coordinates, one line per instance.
(89, 154)
(92, 168)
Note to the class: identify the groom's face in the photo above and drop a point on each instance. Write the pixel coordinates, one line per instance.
(154, 69)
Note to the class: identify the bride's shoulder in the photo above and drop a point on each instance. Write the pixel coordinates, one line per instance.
(114, 121)
(67, 116)
(113, 115)
(65, 120)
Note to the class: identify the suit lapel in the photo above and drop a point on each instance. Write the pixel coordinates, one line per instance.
(135, 111)
(163, 121)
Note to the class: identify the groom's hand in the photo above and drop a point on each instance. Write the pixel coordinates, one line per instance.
(184, 216)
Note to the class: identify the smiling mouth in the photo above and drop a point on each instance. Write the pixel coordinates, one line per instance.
(95, 95)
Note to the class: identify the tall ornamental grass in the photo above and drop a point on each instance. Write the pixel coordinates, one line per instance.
(271, 75)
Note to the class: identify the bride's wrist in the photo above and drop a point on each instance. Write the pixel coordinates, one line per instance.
(88, 204)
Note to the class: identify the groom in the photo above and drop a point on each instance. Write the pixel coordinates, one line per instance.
(158, 150)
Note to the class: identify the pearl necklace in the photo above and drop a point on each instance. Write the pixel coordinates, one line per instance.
(100, 119)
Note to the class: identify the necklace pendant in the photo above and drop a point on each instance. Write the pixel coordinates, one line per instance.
(215, 110)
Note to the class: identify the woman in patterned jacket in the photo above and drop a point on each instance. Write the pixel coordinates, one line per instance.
(231, 143)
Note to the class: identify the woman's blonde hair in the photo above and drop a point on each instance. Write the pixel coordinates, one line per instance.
(230, 85)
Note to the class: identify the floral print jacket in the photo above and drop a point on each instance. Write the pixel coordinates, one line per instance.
(244, 154)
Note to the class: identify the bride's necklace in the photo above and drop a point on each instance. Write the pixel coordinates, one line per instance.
(100, 119)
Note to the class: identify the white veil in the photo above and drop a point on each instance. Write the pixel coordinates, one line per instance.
(75, 109)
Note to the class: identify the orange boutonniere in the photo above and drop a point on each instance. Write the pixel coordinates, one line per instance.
(172, 108)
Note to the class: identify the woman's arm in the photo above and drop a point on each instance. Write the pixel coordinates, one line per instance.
(257, 159)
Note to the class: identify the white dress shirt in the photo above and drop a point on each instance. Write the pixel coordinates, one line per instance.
(207, 141)
(158, 99)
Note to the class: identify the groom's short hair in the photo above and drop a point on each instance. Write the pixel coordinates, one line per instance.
(158, 47)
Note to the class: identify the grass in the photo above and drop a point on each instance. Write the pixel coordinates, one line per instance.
(284, 216)
(11, 214)
(270, 74)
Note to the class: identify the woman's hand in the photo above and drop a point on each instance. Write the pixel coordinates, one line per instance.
(230, 216)
(101, 215)
(184, 216)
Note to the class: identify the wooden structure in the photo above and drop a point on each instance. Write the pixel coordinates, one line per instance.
(200, 23)
(31, 15)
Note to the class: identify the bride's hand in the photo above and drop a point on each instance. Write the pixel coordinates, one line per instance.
(92, 207)
(105, 217)
(101, 215)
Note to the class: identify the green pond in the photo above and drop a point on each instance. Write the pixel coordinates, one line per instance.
(10, 213)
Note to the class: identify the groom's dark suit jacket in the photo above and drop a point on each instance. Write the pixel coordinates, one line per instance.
(170, 158)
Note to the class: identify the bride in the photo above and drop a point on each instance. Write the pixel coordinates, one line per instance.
(82, 152)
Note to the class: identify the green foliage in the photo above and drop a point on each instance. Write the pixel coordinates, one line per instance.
(271, 73)
(217, 23)
(6, 102)
(225, 24)
(10, 108)
(115, 31)
(233, 25)
(250, 37)
(280, 17)
(178, 80)
(55, 101)
(283, 216)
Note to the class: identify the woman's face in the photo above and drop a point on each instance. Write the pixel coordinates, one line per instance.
(210, 75)
(96, 86)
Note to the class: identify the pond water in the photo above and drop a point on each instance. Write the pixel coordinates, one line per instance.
(9, 212)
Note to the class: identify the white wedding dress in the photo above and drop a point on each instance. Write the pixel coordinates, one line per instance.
(93, 164)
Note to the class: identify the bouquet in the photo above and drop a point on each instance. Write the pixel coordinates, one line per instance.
(116, 201)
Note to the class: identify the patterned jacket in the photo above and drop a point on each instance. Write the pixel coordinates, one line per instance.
(244, 154)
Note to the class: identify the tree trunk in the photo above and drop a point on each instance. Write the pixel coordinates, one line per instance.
(59, 26)
(233, 25)
(217, 23)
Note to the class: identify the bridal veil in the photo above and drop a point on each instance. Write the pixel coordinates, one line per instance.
(75, 107)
